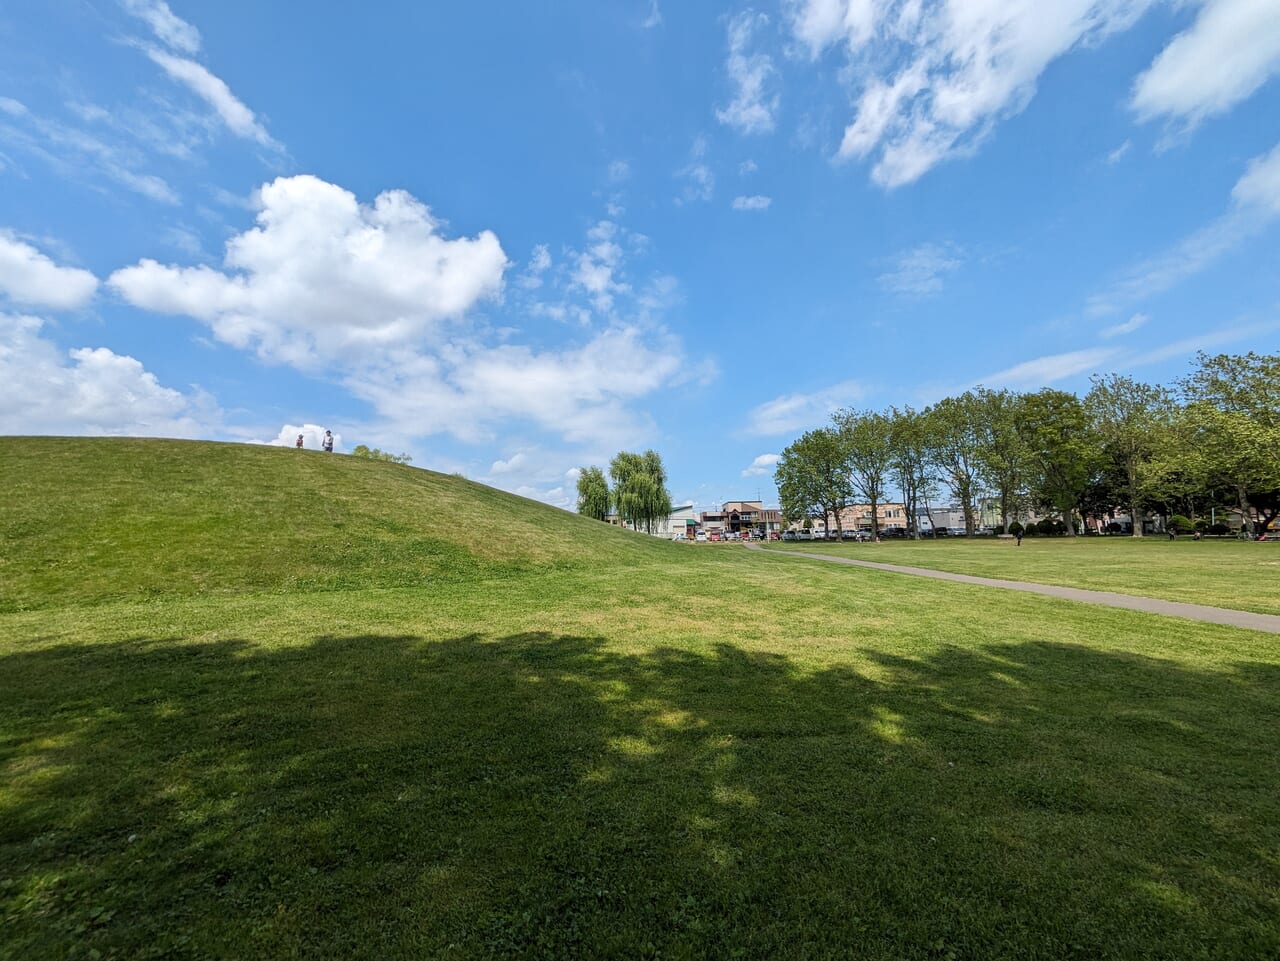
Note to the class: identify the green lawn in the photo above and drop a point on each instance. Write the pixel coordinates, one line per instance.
(1218, 572)
(682, 752)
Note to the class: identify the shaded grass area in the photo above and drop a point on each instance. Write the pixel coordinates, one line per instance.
(87, 520)
(596, 764)
(1220, 573)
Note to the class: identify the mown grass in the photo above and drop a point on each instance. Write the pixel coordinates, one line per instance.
(1217, 572)
(693, 754)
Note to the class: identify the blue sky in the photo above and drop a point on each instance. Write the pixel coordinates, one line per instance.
(513, 239)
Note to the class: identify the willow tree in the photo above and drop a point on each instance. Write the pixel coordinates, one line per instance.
(593, 493)
(640, 488)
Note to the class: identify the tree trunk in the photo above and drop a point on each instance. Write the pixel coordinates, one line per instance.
(1131, 469)
(1246, 512)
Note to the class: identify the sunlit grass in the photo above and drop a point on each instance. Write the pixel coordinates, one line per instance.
(1217, 572)
(673, 752)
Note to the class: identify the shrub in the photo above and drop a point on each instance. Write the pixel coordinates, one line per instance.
(1201, 525)
(1045, 527)
(1219, 529)
(1114, 527)
(1179, 524)
(1015, 528)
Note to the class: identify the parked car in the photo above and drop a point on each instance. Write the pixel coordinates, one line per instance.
(893, 532)
(790, 536)
(701, 536)
(804, 535)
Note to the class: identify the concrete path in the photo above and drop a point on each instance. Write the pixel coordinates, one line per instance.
(1151, 605)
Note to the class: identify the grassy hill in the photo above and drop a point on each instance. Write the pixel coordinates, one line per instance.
(92, 519)
(268, 704)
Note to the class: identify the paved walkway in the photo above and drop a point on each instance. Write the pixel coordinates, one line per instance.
(1151, 605)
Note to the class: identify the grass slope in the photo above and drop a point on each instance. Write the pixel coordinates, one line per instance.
(88, 520)
(620, 751)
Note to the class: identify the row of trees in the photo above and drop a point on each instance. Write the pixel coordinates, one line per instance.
(639, 492)
(1211, 440)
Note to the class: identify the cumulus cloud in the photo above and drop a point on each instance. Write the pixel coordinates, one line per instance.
(1228, 53)
(29, 277)
(764, 464)
(596, 267)
(580, 392)
(168, 27)
(755, 202)
(793, 412)
(323, 276)
(238, 118)
(46, 390)
(312, 437)
(752, 109)
(921, 271)
(934, 77)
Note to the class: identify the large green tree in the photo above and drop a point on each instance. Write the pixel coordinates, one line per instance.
(1131, 420)
(593, 493)
(1062, 454)
(812, 476)
(954, 427)
(1233, 413)
(911, 467)
(868, 443)
(1003, 456)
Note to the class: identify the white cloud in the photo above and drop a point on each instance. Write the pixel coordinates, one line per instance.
(764, 464)
(699, 181)
(1128, 327)
(793, 412)
(579, 392)
(79, 154)
(239, 119)
(322, 276)
(45, 390)
(753, 108)
(29, 277)
(1259, 188)
(1255, 203)
(747, 167)
(1115, 156)
(921, 271)
(619, 171)
(655, 16)
(595, 267)
(312, 437)
(1226, 55)
(1046, 370)
(539, 264)
(14, 108)
(935, 77)
(169, 28)
(756, 202)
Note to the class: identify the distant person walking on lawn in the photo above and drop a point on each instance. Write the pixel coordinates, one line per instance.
(1018, 535)
(327, 443)
(298, 442)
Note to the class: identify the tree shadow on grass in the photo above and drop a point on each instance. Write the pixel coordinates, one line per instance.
(546, 796)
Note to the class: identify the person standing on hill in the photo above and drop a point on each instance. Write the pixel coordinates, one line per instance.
(327, 443)
(298, 442)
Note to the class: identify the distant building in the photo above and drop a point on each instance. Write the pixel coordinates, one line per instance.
(681, 520)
